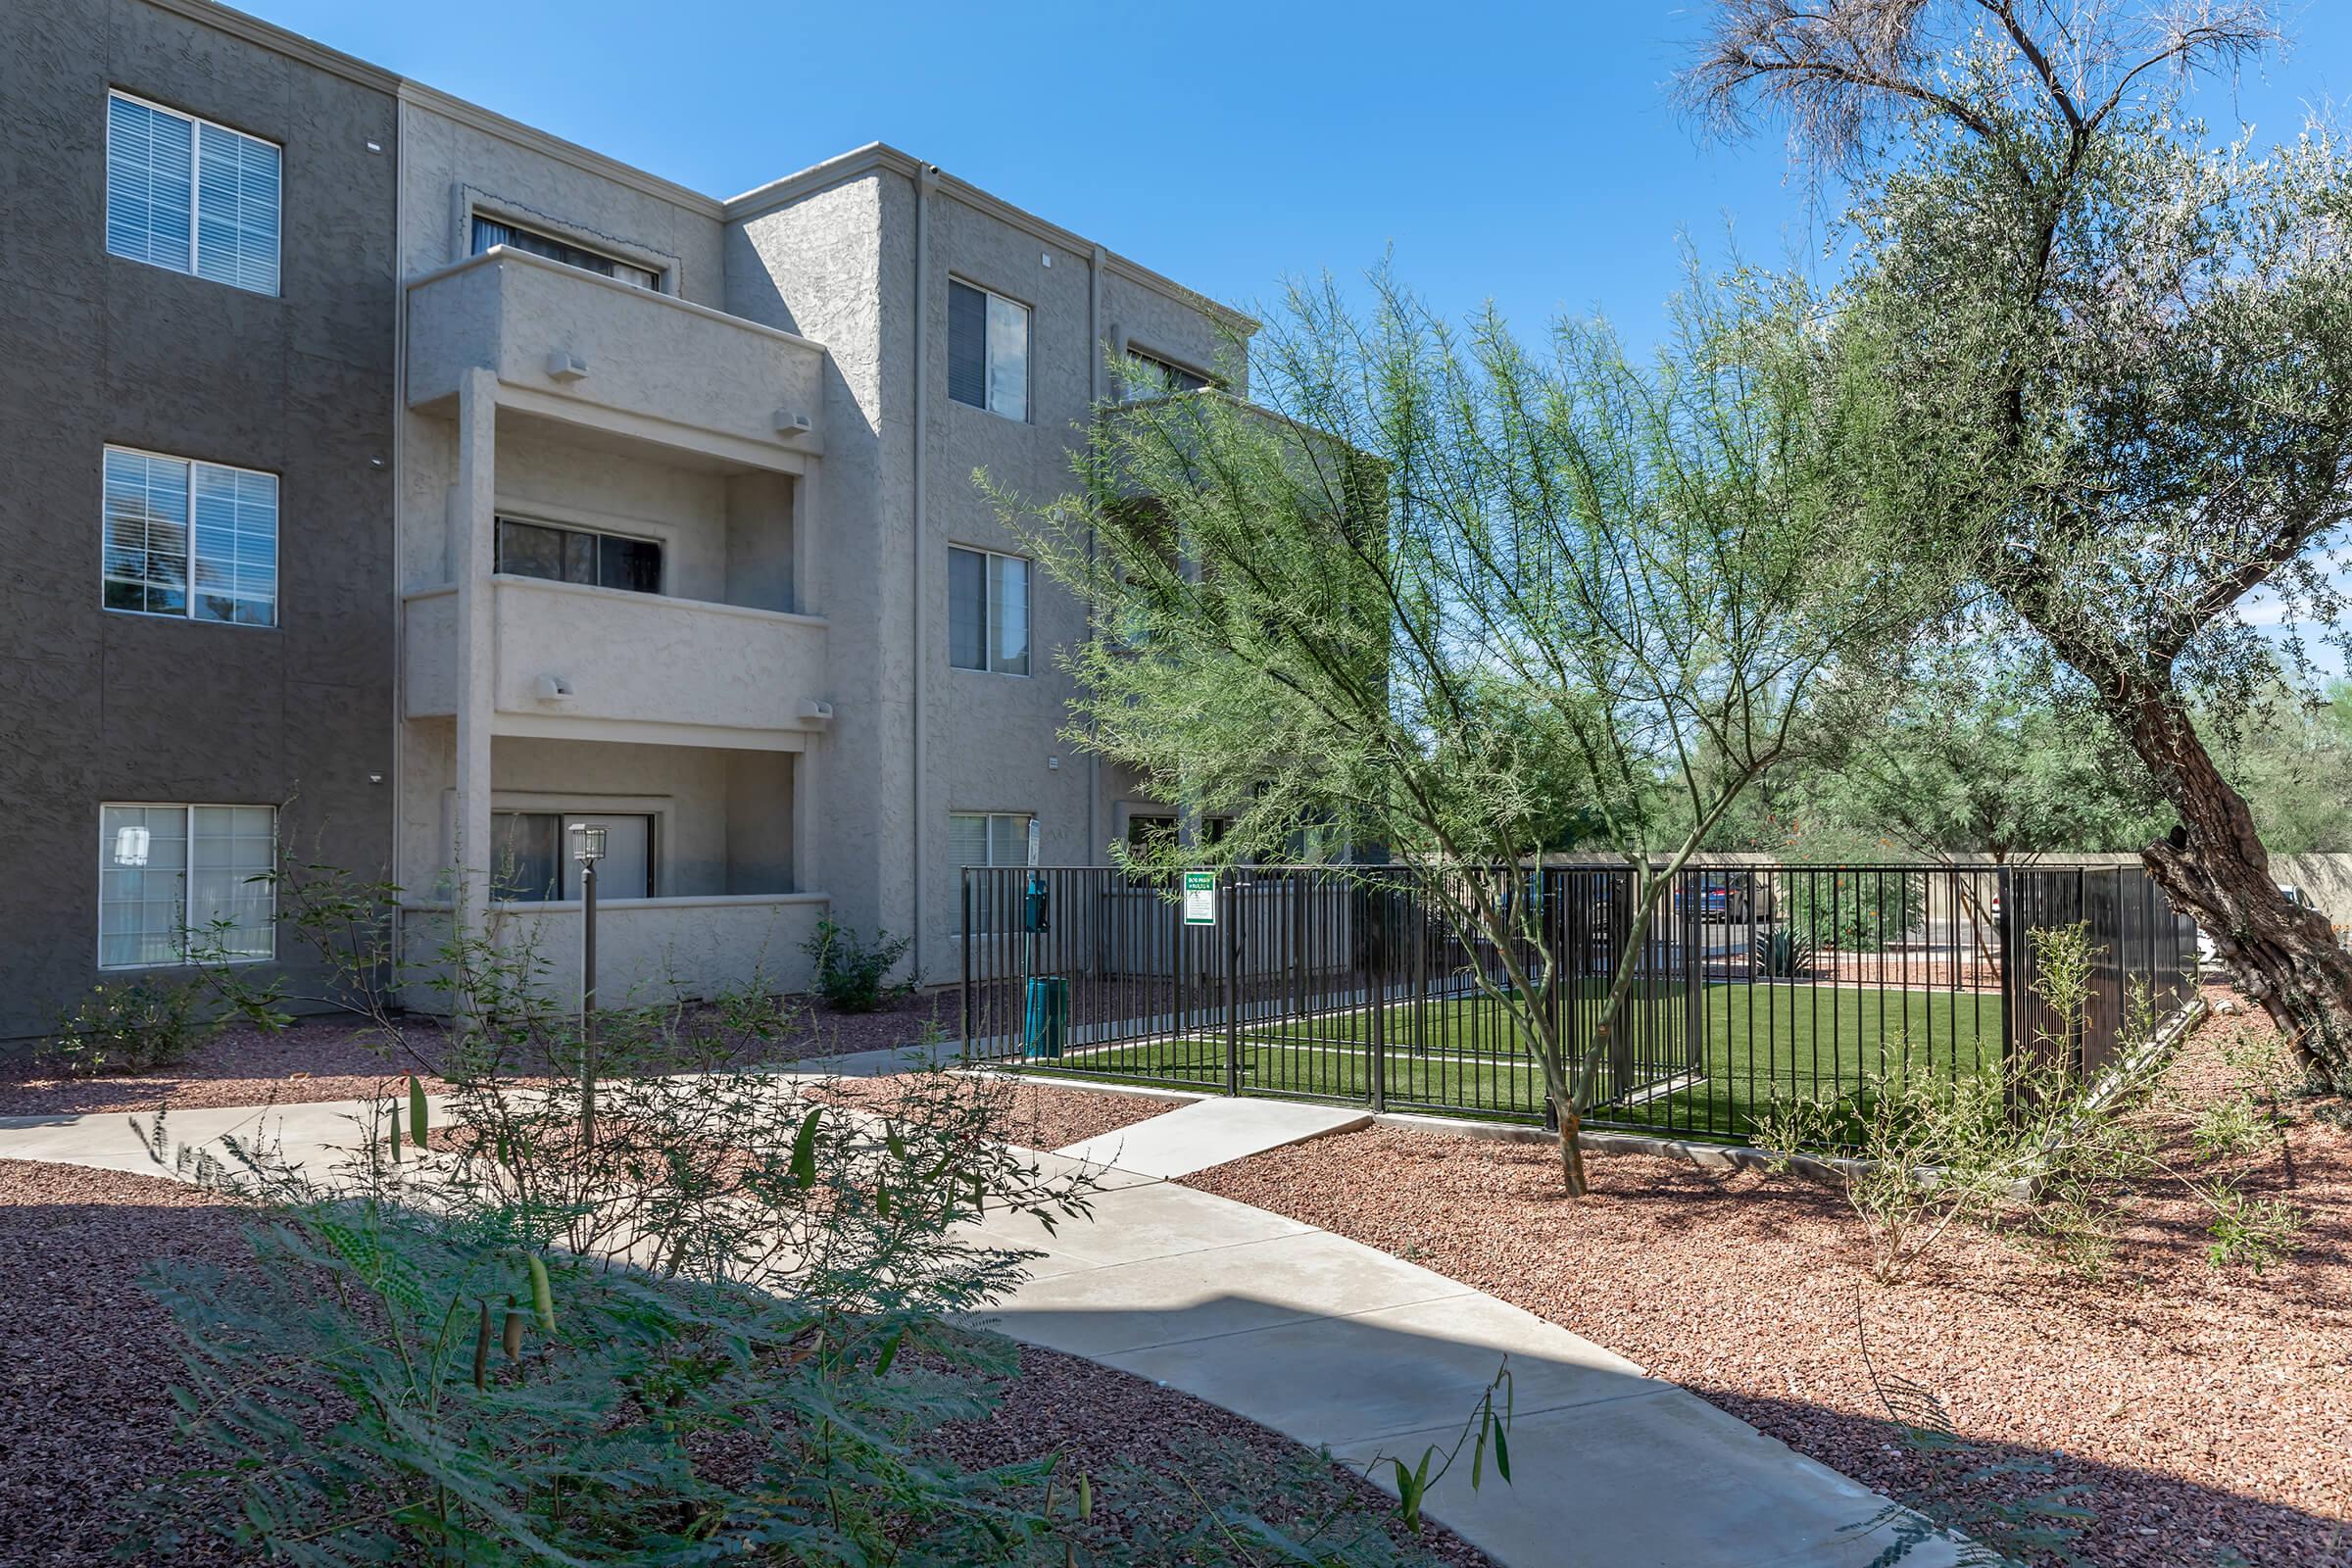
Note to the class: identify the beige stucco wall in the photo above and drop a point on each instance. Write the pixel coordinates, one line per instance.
(816, 266)
(628, 351)
(647, 953)
(636, 663)
(912, 739)
(440, 156)
(839, 264)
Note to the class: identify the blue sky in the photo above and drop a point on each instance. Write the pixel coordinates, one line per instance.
(1527, 153)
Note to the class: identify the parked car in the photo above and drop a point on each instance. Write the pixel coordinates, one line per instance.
(2207, 954)
(1722, 898)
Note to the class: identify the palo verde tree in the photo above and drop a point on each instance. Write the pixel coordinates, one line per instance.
(1454, 595)
(2120, 359)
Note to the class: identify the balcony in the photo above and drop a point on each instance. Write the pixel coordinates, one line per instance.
(647, 950)
(600, 664)
(581, 349)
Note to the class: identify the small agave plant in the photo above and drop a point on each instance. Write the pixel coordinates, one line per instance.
(1781, 956)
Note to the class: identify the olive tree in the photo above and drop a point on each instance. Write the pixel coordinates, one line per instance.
(2120, 359)
(1445, 592)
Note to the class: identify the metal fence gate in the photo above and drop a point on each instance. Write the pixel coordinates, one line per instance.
(1349, 984)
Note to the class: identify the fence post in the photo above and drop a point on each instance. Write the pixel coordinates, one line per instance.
(966, 945)
(2010, 893)
(1233, 990)
(1695, 969)
(1375, 982)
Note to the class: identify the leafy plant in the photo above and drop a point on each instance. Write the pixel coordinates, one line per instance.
(717, 1330)
(2033, 1153)
(2253, 1232)
(1781, 953)
(850, 975)
(132, 1026)
(1853, 910)
(1488, 1426)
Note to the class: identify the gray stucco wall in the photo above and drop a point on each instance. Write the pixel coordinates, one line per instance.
(95, 349)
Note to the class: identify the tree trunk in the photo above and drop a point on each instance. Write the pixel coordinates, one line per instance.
(2215, 867)
(1572, 1152)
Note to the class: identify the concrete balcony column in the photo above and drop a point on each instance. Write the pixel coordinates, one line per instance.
(472, 543)
(807, 541)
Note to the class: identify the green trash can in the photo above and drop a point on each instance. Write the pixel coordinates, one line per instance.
(1047, 1019)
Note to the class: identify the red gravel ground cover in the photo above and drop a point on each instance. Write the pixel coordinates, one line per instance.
(86, 1357)
(331, 1058)
(1036, 1116)
(2208, 1413)
(1098, 1416)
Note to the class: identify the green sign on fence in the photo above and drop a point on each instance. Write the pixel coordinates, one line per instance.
(1200, 898)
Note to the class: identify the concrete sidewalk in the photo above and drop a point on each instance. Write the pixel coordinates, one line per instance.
(1348, 1348)
(316, 1137)
(1327, 1341)
(1212, 1132)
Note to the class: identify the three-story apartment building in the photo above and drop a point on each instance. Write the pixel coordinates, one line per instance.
(660, 518)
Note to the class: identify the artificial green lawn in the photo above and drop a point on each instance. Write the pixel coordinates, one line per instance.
(1788, 1038)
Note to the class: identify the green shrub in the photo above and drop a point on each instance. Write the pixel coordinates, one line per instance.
(133, 1026)
(713, 1321)
(2253, 1232)
(1855, 911)
(2033, 1153)
(850, 974)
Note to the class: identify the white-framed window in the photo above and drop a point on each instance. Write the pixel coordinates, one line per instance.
(176, 878)
(988, 350)
(190, 195)
(526, 549)
(489, 231)
(1147, 375)
(985, 838)
(197, 540)
(987, 611)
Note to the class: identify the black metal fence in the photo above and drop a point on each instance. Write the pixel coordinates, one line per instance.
(1351, 984)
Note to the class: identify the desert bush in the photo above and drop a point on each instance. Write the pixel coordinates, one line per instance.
(2252, 1232)
(713, 1321)
(850, 974)
(1856, 911)
(2032, 1153)
(645, 1335)
(1922, 1155)
(2264, 1080)
(132, 1026)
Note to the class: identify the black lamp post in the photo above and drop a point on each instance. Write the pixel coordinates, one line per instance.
(588, 847)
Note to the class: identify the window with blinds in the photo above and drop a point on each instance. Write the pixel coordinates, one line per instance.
(182, 883)
(198, 540)
(488, 231)
(988, 611)
(190, 195)
(987, 351)
(985, 838)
